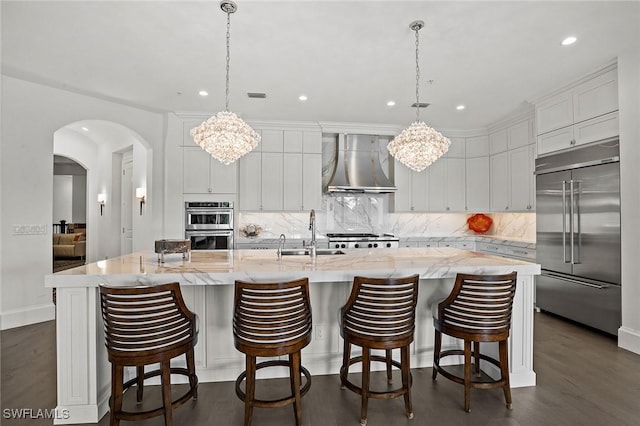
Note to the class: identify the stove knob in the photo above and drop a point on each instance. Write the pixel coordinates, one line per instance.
(370, 245)
(375, 245)
(344, 245)
(388, 244)
(337, 245)
(357, 245)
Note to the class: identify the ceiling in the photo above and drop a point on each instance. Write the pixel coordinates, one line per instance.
(348, 57)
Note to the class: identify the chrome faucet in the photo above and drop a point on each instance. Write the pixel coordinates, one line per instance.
(312, 228)
(281, 241)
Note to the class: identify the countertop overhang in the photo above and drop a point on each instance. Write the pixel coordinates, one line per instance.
(223, 267)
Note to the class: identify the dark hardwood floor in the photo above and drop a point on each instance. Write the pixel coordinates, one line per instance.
(583, 379)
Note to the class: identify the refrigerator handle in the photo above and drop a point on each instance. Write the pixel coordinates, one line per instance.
(571, 213)
(564, 221)
(578, 231)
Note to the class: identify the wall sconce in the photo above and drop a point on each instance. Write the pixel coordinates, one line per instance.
(102, 199)
(141, 195)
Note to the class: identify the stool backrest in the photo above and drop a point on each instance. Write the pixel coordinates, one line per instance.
(381, 309)
(146, 321)
(479, 304)
(274, 317)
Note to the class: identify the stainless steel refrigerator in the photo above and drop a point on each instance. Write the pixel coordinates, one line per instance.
(578, 235)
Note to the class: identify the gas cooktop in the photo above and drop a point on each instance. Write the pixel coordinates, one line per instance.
(362, 240)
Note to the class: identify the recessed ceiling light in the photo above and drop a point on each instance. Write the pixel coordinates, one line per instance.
(302, 97)
(391, 103)
(84, 128)
(460, 107)
(203, 93)
(569, 40)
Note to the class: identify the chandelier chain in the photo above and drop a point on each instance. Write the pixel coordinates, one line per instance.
(417, 76)
(226, 103)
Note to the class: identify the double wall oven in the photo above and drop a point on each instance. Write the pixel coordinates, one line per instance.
(209, 224)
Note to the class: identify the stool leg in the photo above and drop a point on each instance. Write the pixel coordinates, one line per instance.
(436, 354)
(165, 377)
(115, 401)
(366, 372)
(406, 380)
(294, 373)
(191, 368)
(504, 371)
(388, 357)
(476, 355)
(467, 376)
(139, 383)
(250, 389)
(346, 356)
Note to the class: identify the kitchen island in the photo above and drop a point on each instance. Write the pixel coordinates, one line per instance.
(207, 282)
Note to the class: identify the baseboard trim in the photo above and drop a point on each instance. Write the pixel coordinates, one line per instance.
(32, 315)
(629, 339)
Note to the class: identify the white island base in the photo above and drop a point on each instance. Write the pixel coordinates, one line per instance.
(207, 280)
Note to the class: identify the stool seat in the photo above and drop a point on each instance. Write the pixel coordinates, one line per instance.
(478, 309)
(143, 326)
(272, 320)
(379, 314)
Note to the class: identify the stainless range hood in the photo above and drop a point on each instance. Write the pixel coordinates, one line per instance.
(357, 166)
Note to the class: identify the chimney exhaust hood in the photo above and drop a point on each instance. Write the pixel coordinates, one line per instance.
(357, 166)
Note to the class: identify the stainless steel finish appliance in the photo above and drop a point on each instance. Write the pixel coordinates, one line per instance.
(362, 240)
(209, 225)
(578, 235)
(358, 167)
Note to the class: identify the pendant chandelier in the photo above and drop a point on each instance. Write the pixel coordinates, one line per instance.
(225, 136)
(418, 145)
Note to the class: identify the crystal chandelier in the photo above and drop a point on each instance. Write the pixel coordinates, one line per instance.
(418, 145)
(225, 136)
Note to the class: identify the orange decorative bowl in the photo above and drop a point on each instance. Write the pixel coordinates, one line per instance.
(479, 223)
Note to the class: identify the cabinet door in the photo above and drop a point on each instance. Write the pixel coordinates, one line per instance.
(222, 178)
(457, 148)
(292, 181)
(596, 97)
(272, 184)
(518, 135)
(402, 179)
(195, 172)
(533, 154)
(420, 190)
(555, 113)
(498, 141)
(312, 142)
(554, 141)
(596, 129)
(272, 141)
(499, 182)
(455, 185)
(521, 177)
(292, 141)
(477, 185)
(437, 185)
(477, 146)
(311, 181)
(250, 181)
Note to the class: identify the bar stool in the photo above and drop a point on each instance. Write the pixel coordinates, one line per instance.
(477, 310)
(148, 325)
(380, 314)
(270, 320)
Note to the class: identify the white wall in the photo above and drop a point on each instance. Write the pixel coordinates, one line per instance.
(79, 199)
(629, 102)
(31, 114)
(62, 198)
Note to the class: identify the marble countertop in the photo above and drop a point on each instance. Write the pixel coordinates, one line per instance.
(223, 267)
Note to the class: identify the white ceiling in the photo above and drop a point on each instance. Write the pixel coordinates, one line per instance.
(348, 57)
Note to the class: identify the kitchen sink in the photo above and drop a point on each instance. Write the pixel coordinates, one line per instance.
(305, 252)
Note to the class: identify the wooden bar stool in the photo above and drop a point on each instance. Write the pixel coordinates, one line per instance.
(270, 320)
(477, 310)
(148, 325)
(380, 314)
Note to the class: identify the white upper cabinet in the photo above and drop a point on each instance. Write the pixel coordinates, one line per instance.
(272, 141)
(498, 141)
(455, 185)
(477, 184)
(521, 179)
(499, 178)
(456, 148)
(584, 113)
(203, 174)
(477, 146)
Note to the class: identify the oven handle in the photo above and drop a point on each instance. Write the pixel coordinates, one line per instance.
(192, 233)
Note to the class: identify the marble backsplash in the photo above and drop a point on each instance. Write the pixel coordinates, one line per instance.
(369, 215)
